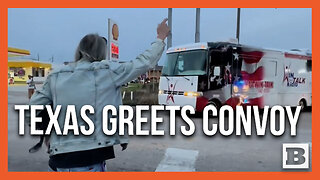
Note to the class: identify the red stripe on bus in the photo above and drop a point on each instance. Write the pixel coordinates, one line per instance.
(297, 56)
(252, 56)
(258, 75)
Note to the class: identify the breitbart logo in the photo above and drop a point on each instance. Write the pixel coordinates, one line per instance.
(295, 156)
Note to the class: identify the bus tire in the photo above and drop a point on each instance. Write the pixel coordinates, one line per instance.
(216, 103)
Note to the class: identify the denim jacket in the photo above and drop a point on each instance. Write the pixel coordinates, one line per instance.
(97, 84)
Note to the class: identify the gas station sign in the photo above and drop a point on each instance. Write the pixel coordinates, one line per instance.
(113, 43)
(114, 51)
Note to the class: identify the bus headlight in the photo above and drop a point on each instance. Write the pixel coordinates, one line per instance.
(160, 91)
(193, 94)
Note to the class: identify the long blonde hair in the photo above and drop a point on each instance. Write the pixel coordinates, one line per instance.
(92, 47)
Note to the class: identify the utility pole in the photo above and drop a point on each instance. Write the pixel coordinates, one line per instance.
(238, 26)
(197, 35)
(169, 38)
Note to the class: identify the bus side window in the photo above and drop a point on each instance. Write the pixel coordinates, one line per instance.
(216, 71)
(309, 65)
(272, 68)
(180, 65)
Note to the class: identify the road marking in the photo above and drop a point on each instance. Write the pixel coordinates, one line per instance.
(178, 160)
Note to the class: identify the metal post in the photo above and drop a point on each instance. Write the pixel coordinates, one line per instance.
(197, 35)
(169, 38)
(238, 25)
(153, 79)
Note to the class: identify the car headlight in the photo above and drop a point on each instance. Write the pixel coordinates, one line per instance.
(235, 89)
(246, 88)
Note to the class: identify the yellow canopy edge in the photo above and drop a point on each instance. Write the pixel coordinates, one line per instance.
(17, 52)
(28, 64)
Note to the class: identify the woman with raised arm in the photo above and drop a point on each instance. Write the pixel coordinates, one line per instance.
(91, 80)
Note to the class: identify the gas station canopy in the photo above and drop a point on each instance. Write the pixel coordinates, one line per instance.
(14, 52)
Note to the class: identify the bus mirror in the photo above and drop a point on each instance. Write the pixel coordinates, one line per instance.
(216, 71)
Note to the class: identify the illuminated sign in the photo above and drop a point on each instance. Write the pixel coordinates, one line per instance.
(115, 32)
(114, 51)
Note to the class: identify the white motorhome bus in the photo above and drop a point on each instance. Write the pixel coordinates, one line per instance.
(229, 73)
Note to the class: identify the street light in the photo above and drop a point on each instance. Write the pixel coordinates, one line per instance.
(238, 25)
(169, 38)
(197, 34)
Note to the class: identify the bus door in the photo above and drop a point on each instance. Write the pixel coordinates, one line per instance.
(220, 74)
(220, 68)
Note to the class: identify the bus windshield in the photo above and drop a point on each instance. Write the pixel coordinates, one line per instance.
(186, 63)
